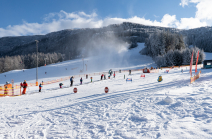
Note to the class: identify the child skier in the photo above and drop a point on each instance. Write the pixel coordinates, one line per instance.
(60, 85)
(40, 86)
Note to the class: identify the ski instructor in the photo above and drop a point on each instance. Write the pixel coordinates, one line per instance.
(25, 87)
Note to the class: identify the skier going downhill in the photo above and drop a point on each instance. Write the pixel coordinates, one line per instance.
(71, 80)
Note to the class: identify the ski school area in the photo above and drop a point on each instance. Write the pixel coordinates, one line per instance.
(11, 89)
(164, 103)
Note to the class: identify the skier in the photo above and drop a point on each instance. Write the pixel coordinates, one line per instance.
(60, 85)
(91, 79)
(114, 75)
(104, 77)
(81, 80)
(160, 78)
(110, 72)
(40, 86)
(24, 87)
(182, 70)
(71, 80)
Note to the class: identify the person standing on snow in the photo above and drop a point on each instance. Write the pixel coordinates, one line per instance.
(81, 80)
(61, 84)
(102, 76)
(40, 86)
(24, 87)
(114, 75)
(71, 80)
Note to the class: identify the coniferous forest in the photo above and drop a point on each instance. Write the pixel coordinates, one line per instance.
(28, 61)
(168, 49)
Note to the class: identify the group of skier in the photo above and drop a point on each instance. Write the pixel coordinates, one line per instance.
(24, 85)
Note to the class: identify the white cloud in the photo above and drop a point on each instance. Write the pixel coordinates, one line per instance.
(184, 2)
(63, 20)
(186, 23)
(204, 10)
(169, 21)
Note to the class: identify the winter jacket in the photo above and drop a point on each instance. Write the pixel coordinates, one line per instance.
(60, 84)
(24, 85)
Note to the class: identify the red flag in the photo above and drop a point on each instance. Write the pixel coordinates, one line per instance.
(191, 63)
(197, 61)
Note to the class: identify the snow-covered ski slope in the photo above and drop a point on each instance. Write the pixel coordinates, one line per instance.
(143, 108)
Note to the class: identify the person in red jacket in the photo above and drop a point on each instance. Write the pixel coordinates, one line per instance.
(24, 87)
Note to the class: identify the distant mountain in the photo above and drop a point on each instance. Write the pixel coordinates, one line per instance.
(71, 42)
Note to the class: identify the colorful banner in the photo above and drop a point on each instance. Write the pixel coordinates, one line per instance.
(191, 63)
(154, 71)
(197, 62)
(195, 77)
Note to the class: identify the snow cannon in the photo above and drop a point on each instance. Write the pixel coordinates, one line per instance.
(160, 78)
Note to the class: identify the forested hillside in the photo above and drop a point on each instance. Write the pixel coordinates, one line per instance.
(168, 49)
(76, 43)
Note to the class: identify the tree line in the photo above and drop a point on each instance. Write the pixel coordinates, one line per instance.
(168, 49)
(8, 63)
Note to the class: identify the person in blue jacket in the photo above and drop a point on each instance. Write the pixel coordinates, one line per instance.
(40, 86)
(71, 80)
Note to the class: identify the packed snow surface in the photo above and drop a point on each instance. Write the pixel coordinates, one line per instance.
(143, 108)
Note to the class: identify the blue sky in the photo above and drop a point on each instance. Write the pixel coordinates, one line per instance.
(31, 17)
